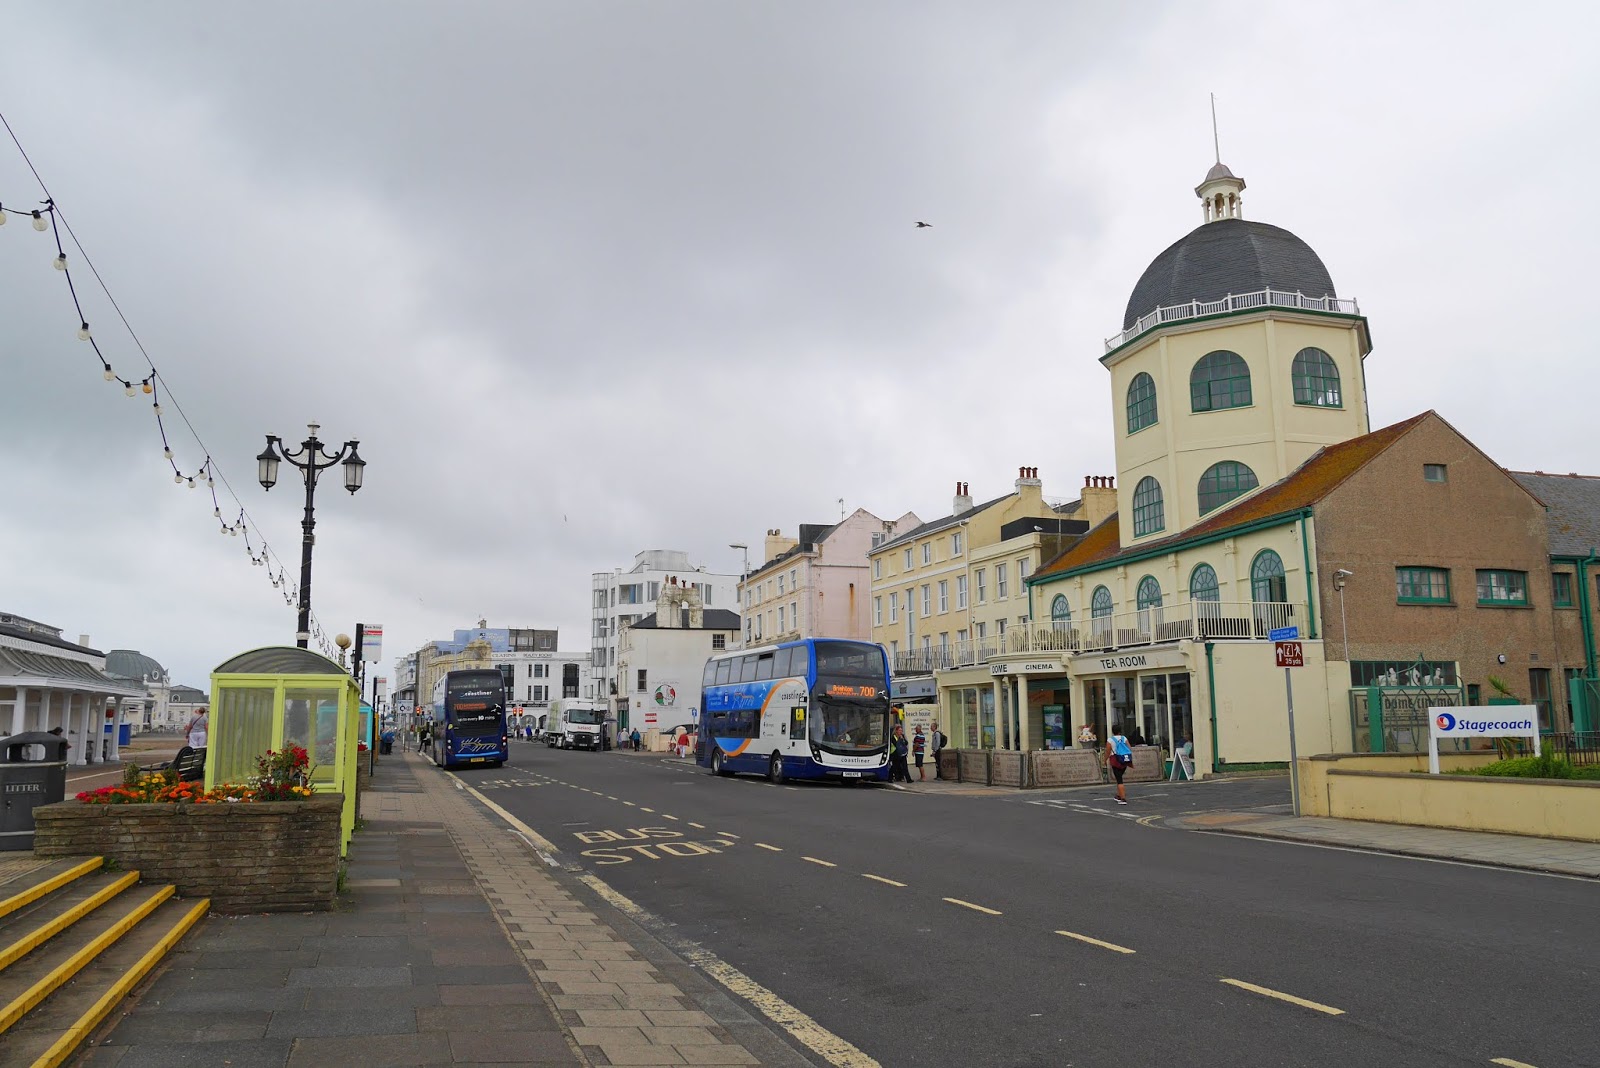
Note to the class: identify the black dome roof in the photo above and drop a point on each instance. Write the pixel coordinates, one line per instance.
(1228, 256)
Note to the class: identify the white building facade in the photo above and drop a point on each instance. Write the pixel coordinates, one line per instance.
(661, 660)
(620, 598)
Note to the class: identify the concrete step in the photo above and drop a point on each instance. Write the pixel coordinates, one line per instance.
(33, 881)
(49, 1034)
(35, 923)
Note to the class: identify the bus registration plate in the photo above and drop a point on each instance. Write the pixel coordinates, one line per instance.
(852, 775)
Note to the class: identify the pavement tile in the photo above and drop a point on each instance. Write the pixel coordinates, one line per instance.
(613, 1018)
(257, 1054)
(499, 994)
(400, 997)
(371, 1051)
(204, 998)
(158, 1027)
(329, 975)
(649, 990)
(716, 1055)
(205, 960)
(512, 1017)
(500, 954)
(248, 978)
(679, 1018)
(630, 1054)
(511, 1047)
(371, 1020)
(593, 1036)
(489, 974)
(682, 1036)
(585, 1001)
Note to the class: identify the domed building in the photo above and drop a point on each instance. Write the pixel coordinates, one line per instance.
(1237, 360)
(1255, 504)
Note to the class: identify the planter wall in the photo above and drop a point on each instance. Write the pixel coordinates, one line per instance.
(275, 856)
(1149, 765)
(949, 764)
(1066, 767)
(975, 765)
(1008, 769)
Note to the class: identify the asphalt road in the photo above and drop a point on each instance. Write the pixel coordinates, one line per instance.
(986, 929)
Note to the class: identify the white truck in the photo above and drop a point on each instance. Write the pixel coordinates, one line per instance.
(575, 724)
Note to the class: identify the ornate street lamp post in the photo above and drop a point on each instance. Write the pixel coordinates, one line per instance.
(312, 460)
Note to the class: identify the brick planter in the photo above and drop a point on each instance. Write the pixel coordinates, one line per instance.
(274, 856)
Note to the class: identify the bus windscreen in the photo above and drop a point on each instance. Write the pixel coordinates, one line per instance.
(475, 702)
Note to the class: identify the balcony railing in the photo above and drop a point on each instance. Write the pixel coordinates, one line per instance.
(1195, 309)
(1199, 620)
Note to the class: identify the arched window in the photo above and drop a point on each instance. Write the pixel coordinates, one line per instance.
(1316, 379)
(1203, 584)
(1059, 611)
(1141, 402)
(1149, 514)
(1220, 380)
(1149, 592)
(1100, 605)
(1267, 582)
(1224, 481)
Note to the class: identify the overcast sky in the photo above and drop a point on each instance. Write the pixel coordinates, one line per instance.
(588, 278)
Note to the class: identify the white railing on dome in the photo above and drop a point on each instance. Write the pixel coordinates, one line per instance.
(1195, 309)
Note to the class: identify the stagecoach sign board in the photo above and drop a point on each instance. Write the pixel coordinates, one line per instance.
(1469, 721)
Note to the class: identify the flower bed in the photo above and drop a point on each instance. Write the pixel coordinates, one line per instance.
(269, 845)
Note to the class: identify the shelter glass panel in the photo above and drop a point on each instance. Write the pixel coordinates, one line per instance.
(240, 731)
(311, 721)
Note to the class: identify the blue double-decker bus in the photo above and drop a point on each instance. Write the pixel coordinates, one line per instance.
(817, 708)
(472, 722)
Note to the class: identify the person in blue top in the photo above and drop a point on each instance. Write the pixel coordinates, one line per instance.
(1119, 755)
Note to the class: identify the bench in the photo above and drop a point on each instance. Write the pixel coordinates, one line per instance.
(190, 764)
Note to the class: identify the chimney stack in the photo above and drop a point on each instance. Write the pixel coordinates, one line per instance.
(962, 501)
(1028, 476)
(1099, 498)
(83, 640)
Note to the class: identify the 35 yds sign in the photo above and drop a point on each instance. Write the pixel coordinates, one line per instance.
(1289, 654)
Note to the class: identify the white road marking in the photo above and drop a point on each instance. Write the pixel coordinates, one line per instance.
(974, 908)
(1096, 942)
(775, 849)
(880, 879)
(824, 863)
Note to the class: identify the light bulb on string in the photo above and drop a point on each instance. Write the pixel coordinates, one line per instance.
(83, 332)
(60, 262)
(177, 476)
(217, 512)
(127, 389)
(167, 452)
(110, 375)
(2, 216)
(233, 531)
(191, 482)
(157, 406)
(148, 388)
(39, 223)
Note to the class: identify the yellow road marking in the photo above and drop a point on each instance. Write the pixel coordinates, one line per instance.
(699, 825)
(1281, 996)
(1096, 942)
(880, 879)
(1147, 821)
(726, 834)
(970, 905)
(666, 817)
(827, 1045)
(824, 863)
(763, 845)
(1509, 1063)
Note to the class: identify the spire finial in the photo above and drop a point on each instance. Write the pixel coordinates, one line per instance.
(1216, 145)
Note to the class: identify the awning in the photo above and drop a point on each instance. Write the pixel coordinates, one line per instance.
(22, 667)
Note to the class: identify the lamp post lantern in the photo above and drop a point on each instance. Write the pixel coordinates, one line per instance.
(312, 459)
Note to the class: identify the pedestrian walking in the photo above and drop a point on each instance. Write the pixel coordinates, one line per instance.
(936, 742)
(898, 771)
(195, 732)
(1119, 754)
(633, 740)
(919, 751)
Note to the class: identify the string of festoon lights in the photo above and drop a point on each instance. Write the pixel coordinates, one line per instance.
(48, 218)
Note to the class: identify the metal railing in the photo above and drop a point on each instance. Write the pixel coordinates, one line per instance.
(1579, 747)
(1199, 620)
(1195, 309)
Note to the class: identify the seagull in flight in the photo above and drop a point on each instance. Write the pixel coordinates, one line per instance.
(921, 224)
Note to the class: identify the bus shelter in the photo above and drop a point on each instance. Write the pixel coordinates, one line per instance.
(279, 696)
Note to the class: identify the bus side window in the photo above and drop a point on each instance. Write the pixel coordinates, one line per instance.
(797, 723)
(780, 663)
(764, 666)
(709, 676)
(725, 671)
(800, 661)
(747, 669)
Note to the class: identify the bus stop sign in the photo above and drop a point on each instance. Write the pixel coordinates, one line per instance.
(1289, 654)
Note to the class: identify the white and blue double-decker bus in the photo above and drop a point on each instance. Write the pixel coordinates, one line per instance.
(471, 728)
(817, 708)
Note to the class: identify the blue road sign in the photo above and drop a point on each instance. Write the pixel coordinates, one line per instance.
(1283, 634)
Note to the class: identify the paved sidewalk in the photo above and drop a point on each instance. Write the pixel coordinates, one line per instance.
(1471, 847)
(453, 944)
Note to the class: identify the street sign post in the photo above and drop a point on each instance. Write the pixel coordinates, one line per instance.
(1290, 655)
(1283, 634)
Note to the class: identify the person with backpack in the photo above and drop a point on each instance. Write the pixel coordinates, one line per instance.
(936, 742)
(919, 752)
(1119, 755)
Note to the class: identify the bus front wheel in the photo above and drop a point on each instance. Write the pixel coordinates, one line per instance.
(775, 770)
(716, 764)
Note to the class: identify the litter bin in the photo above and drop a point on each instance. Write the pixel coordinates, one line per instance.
(28, 780)
(124, 734)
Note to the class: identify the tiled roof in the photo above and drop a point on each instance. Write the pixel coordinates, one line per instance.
(715, 619)
(1574, 509)
(1306, 485)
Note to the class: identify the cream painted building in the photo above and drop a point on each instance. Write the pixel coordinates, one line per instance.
(816, 585)
(661, 660)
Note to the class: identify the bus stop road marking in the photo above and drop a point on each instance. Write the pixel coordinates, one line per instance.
(701, 826)
(824, 863)
(880, 879)
(1509, 1063)
(1281, 996)
(1096, 942)
(630, 804)
(763, 845)
(974, 908)
(725, 834)
(665, 816)
(644, 809)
